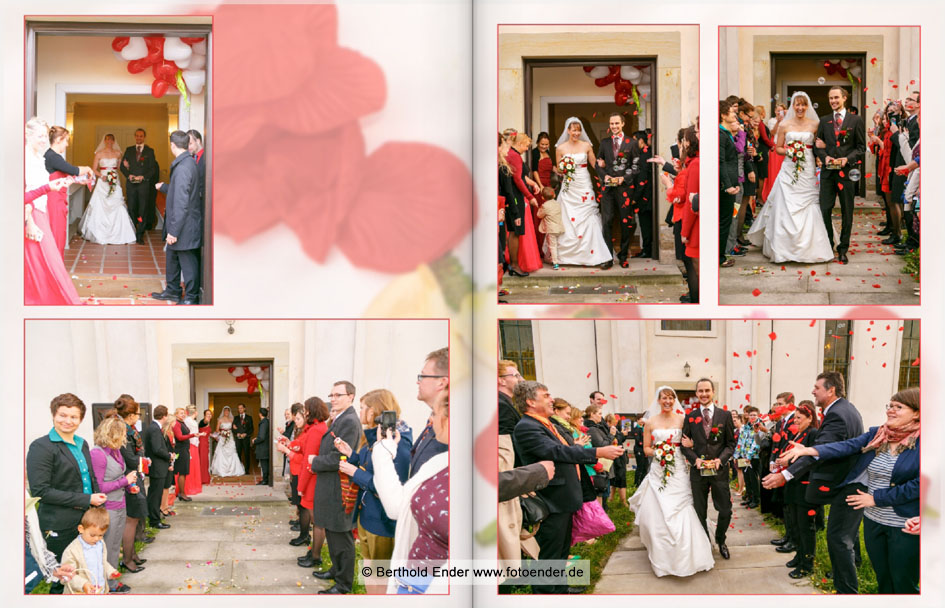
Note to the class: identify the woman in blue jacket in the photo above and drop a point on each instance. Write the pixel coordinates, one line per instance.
(889, 463)
(375, 529)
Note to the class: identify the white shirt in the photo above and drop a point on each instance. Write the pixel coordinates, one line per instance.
(843, 114)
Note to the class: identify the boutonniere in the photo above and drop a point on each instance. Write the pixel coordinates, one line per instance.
(715, 433)
(842, 136)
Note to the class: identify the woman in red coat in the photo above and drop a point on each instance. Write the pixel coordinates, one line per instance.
(316, 413)
(529, 258)
(680, 195)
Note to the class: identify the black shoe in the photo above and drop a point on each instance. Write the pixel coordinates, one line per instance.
(185, 498)
(723, 551)
(323, 576)
(799, 573)
(640, 254)
(261, 483)
(842, 258)
(794, 563)
(743, 242)
(684, 299)
(165, 295)
(140, 560)
(516, 273)
(295, 527)
(892, 240)
(334, 590)
(777, 542)
(120, 588)
(739, 251)
(786, 548)
(607, 265)
(885, 231)
(307, 561)
(188, 303)
(625, 264)
(148, 540)
(293, 522)
(161, 525)
(300, 540)
(752, 505)
(129, 568)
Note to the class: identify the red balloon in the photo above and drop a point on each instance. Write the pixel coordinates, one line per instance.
(622, 86)
(155, 50)
(601, 82)
(120, 42)
(135, 66)
(621, 99)
(191, 40)
(159, 88)
(166, 71)
(587, 68)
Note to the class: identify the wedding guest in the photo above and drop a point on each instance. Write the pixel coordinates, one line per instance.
(194, 481)
(159, 457)
(728, 175)
(56, 203)
(551, 225)
(420, 506)
(136, 503)
(204, 429)
(286, 431)
(619, 479)
(195, 148)
(330, 510)
(510, 210)
(508, 540)
(183, 225)
(679, 193)
(639, 455)
(89, 555)
(167, 433)
(803, 514)
(542, 166)
(140, 168)
(764, 145)
(40, 563)
(261, 446)
(45, 278)
(432, 383)
(690, 238)
(375, 528)
(538, 440)
(509, 376)
(745, 146)
(908, 142)
(746, 452)
(316, 413)
(242, 430)
(600, 437)
(182, 437)
(770, 137)
(108, 466)
(529, 257)
(641, 198)
(59, 473)
(888, 458)
(291, 447)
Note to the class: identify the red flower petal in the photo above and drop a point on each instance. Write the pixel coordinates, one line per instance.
(773, 336)
(756, 292)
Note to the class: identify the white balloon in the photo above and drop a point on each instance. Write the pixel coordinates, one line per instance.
(637, 80)
(118, 55)
(194, 79)
(644, 90)
(197, 62)
(136, 48)
(175, 49)
(628, 72)
(184, 63)
(834, 61)
(254, 370)
(200, 47)
(844, 64)
(856, 70)
(599, 71)
(264, 384)
(646, 78)
(264, 375)
(237, 372)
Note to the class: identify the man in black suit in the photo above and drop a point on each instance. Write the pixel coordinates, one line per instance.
(261, 445)
(618, 158)
(780, 443)
(140, 168)
(842, 421)
(59, 473)
(844, 137)
(183, 225)
(907, 142)
(643, 463)
(242, 430)
(728, 174)
(536, 440)
(156, 449)
(329, 512)
(713, 436)
(641, 195)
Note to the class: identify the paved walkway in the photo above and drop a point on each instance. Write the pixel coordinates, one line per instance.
(754, 567)
(873, 276)
(230, 539)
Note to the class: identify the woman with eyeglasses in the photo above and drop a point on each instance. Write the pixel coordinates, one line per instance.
(889, 458)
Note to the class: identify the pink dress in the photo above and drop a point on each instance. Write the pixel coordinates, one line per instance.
(45, 278)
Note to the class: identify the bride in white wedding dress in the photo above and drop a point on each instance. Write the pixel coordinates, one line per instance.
(226, 462)
(106, 220)
(790, 226)
(675, 540)
(582, 242)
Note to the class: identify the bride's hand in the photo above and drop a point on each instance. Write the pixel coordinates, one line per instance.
(686, 442)
(820, 143)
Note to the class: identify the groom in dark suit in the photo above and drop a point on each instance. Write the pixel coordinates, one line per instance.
(242, 429)
(618, 158)
(844, 137)
(140, 168)
(713, 436)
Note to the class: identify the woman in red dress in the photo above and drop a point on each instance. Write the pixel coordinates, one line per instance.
(316, 413)
(774, 159)
(542, 170)
(204, 448)
(194, 483)
(45, 278)
(57, 203)
(529, 258)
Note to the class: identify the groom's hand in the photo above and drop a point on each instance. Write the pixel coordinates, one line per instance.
(772, 481)
(171, 239)
(600, 163)
(699, 463)
(828, 159)
(158, 185)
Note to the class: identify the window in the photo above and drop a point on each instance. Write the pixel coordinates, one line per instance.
(686, 325)
(837, 348)
(909, 359)
(518, 346)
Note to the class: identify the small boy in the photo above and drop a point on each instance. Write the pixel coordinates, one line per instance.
(88, 554)
(551, 226)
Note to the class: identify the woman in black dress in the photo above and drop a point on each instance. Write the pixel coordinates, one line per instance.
(136, 502)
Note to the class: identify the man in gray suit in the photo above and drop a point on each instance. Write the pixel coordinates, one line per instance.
(329, 512)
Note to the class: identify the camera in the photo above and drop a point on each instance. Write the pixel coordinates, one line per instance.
(387, 421)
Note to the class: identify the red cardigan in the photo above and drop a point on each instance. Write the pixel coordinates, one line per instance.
(515, 161)
(690, 219)
(677, 195)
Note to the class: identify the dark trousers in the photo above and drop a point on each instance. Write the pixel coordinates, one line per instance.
(830, 190)
(805, 532)
(692, 279)
(615, 202)
(894, 555)
(790, 531)
(726, 206)
(155, 491)
(752, 482)
(341, 551)
(140, 206)
(721, 498)
(554, 542)
(242, 451)
(643, 467)
(843, 525)
(264, 465)
(183, 264)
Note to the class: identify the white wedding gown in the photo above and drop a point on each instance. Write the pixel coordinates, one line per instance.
(582, 242)
(790, 226)
(675, 541)
(226, 462)
(106, 220)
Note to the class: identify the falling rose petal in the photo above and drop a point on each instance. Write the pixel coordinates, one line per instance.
(824, 489)
(876, 285)
(706, 360)
(588, 374)
(613, 396)
(916, 362)
(633, 388)
(756, 292)
(773, 336)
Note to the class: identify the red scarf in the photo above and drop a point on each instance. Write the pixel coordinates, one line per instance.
(884, 167)
(895, 440)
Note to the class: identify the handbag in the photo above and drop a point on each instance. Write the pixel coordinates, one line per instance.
(534, 511)
(601, 482)
(590, 521)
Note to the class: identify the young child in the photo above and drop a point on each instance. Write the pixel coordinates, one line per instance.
(88, 554)
(551, 226)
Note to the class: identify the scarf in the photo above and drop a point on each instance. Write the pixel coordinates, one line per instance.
(894, 440)
(547, 424)
(884, 159)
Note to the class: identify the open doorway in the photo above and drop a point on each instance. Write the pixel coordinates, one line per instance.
(214, 386)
